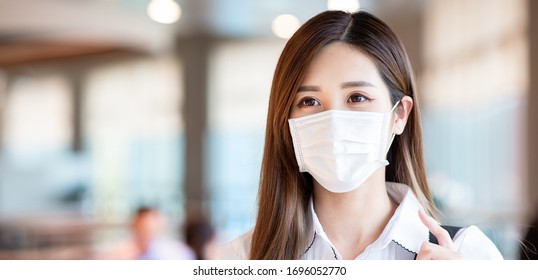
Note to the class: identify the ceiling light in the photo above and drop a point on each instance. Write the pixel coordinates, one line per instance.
(164, 11)
(343, 5)
(285, 25)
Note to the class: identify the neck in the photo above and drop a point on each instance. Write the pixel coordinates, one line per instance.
(354, 220)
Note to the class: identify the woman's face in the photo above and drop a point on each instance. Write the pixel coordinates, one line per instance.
(341, 77)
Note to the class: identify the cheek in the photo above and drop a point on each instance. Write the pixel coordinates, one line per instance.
(297, 112)
(294, 113)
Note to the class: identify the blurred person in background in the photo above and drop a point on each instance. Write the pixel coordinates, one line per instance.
(148, 240)
(200, 236)
(343, 105)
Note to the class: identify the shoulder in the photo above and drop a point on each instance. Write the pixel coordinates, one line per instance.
(472, 243)
(238, 249)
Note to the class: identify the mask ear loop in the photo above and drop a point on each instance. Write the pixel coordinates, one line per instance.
(393, 134)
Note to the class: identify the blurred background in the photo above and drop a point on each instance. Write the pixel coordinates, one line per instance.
(107, 106)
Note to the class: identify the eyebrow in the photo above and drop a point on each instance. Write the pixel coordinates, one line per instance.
(357, 84)
(343, 85)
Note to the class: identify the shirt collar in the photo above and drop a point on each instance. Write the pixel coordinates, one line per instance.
(405, 227)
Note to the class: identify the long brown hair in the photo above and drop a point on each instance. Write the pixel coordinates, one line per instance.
(282, 224)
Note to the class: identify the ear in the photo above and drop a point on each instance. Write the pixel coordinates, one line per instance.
(401, 113)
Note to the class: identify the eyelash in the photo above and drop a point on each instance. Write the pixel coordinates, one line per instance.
(358, 95)
(302, 102)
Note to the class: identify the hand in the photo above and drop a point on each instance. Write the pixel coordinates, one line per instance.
(445, 249)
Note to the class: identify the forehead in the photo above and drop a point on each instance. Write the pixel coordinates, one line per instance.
(341, 62)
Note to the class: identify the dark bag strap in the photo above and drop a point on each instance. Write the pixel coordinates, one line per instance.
(451, 231)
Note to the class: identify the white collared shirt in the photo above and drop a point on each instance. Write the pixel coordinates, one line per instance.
(400, 240)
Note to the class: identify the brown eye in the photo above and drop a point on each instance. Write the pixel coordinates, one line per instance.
(308, 102)
(357, 98)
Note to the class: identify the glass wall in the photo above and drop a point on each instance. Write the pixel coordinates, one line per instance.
(239, 84)
(37, 168)
(474, 86)
(134, 135)
(53, 197)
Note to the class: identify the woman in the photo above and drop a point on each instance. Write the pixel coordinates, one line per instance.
(343, 105)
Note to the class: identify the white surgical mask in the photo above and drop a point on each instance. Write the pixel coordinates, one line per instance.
(341, 149)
